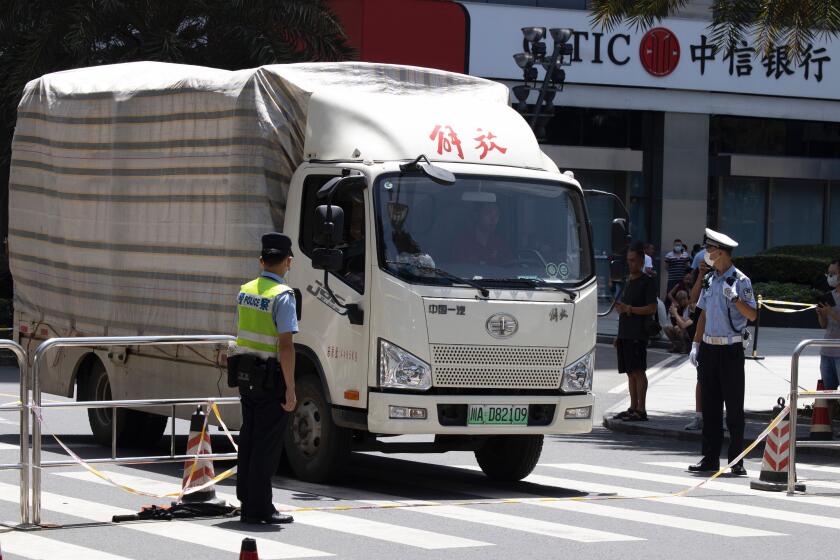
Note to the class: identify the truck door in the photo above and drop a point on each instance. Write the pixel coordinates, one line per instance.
(342, 347)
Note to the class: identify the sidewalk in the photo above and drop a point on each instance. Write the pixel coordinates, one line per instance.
(670, 398)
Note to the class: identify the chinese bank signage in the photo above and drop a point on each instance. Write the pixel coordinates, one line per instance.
(675, 54)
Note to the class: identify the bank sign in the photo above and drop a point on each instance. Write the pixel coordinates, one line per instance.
(675, 54)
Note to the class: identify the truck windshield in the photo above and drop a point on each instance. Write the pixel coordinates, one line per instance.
(494, 231)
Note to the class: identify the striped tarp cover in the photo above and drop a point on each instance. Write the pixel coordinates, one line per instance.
(139, 192)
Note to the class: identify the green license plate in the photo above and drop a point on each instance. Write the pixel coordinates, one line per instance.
(497, 414)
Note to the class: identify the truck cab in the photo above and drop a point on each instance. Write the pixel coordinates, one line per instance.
(453, 293)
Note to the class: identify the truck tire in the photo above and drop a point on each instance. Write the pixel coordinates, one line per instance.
(134, 428)
(509, 458)
(316, 448)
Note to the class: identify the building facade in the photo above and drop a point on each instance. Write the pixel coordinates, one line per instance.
(685, 134)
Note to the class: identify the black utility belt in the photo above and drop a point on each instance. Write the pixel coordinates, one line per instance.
(248, 370)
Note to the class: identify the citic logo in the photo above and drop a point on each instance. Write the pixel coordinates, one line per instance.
(659, 51)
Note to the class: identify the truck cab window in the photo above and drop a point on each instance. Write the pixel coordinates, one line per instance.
(354, 246)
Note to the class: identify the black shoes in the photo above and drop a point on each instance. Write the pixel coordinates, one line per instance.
(705, 466)
(275, 519)
(739, 470)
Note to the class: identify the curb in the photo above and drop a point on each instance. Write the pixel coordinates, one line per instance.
(610, 338)
(636, 428)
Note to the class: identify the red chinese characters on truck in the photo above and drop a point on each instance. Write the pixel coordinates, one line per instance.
(447, 141)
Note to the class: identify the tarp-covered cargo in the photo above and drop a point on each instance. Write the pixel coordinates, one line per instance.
(139, 192)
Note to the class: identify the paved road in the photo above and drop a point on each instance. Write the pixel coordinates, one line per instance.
(590, 497)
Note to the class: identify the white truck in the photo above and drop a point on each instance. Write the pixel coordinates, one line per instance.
(443, 265)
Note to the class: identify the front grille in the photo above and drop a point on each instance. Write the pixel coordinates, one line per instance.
(509, 367)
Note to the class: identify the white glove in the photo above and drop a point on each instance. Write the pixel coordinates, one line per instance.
(692, 357)
(731, 292)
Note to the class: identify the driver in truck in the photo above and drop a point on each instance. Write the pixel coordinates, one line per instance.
(481, 242)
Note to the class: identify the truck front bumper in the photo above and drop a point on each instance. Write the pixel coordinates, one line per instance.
(380, 422)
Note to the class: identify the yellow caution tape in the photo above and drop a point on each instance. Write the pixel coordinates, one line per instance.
(805, 306)
(744, 453)
(131, 490)
(773, 423)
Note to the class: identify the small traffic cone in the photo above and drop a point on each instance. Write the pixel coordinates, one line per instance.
(199, 471)
(248, 550)
(773, 477)
(820, 423)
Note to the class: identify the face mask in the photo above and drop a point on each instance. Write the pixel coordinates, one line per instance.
(678, 248)
(708, 258)
(832, 280)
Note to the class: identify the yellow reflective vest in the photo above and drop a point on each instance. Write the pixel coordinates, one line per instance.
(256, 331)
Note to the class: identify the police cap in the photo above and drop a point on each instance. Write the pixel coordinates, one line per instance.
(276, 244)
(720, 240)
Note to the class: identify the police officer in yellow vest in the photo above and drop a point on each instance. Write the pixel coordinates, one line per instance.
(262, 365)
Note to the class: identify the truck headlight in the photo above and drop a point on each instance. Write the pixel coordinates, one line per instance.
(400, 369)
(578, 376)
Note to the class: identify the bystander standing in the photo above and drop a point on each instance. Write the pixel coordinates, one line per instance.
(677, 262)
(828, 314)
(637, 305)
(648, 269)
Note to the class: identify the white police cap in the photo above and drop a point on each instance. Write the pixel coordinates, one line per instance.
(717, 239)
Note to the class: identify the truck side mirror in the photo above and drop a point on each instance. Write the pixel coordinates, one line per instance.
(329, 225)
(620, 236)
(331, 260)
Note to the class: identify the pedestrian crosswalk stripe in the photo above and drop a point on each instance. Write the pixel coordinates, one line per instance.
(716, 506)
(201, 535)
(687, 481)
(615, 512)
(408, 536)
(756, 474)
(518, 523)
(35, 547)
(818, 468)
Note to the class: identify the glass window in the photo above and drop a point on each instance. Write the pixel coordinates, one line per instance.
(353, 204)
(834, 216)
(796, 212)
(495, 230)
(743, 203)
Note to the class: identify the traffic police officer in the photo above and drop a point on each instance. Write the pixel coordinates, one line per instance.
(262, 365)
(727, 303)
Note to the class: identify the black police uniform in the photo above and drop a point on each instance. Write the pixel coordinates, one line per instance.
(262, 392)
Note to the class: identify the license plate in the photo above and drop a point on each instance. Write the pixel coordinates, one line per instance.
(497, 414)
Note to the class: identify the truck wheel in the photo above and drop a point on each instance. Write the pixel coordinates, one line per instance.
(509, 458)
(315, 447)
(134, 428)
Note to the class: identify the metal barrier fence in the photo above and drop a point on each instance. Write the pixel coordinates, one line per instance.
(23, 465)
(795, 393)
(33, 515)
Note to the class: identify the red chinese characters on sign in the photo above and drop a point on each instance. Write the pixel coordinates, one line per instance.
(447, 140)
(486, 144)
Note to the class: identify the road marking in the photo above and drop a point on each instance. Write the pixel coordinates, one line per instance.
(388, 532)
(672, 521)
(818, 468)
(193, 533)
(685, 501)
(688, 481)
(34, 547)
(516, 523)
(757, 474)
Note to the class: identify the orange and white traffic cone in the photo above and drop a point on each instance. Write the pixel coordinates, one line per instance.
(248, 550)
(198, 472)
(773, 477)
(820, 423)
